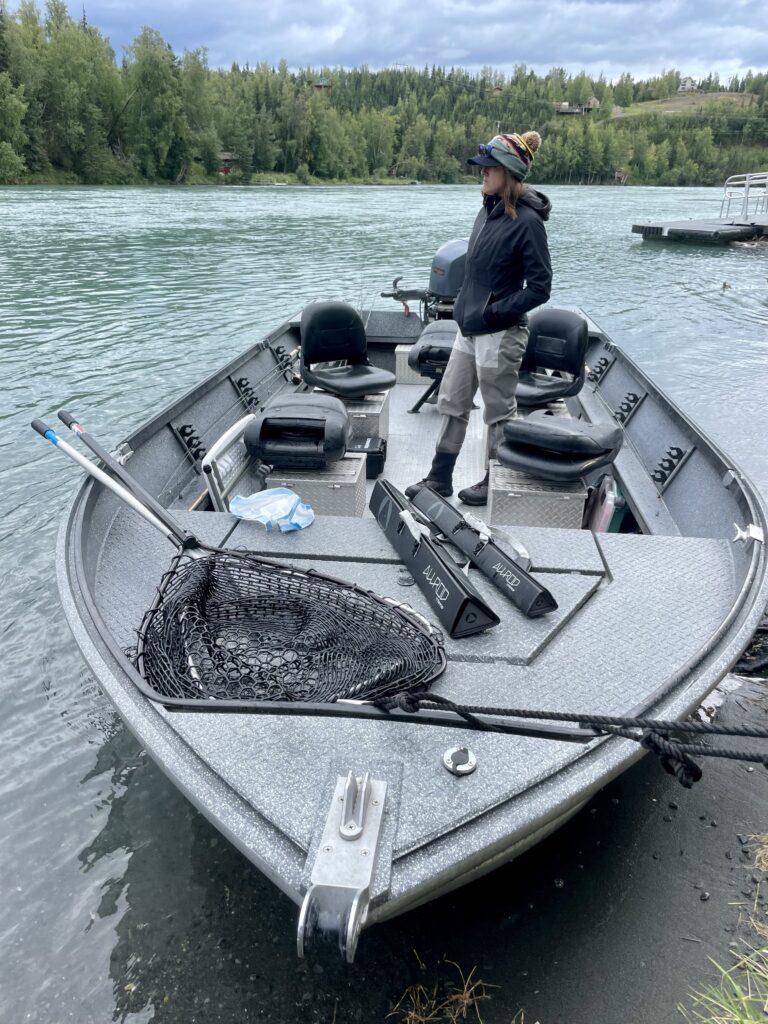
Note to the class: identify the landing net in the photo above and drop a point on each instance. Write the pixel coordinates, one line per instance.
(231, 626)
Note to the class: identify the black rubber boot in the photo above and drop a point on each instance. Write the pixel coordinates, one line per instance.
(439, 477)
(477, 494)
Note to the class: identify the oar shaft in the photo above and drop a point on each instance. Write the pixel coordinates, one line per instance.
(125, 478)
(98, 474)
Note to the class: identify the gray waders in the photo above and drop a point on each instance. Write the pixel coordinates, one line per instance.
(492, 363)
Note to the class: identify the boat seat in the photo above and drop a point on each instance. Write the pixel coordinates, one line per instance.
(333, 332)
(558, 342)
(558, 448)
(430, 354)
(305, 430)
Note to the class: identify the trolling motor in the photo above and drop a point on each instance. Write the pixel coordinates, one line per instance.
(445, 278)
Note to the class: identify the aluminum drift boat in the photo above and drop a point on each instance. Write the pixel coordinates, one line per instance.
(357, 814)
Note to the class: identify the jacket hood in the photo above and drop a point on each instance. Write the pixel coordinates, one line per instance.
(537, 201)
(531, 197)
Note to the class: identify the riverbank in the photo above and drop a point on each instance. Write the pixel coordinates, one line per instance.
(61, 178)
(57, 177)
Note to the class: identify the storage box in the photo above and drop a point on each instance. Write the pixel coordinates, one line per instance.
(403, 372)
(516, 499)
(369, 417)
(375, 451)
(337, 490)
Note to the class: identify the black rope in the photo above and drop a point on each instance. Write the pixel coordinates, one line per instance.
(652, 734)
(596, 721)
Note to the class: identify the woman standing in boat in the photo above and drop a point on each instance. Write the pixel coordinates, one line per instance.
(508, 273)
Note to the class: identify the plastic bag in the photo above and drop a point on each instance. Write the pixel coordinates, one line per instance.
(277, 508)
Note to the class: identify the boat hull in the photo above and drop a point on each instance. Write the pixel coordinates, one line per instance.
(647, 622)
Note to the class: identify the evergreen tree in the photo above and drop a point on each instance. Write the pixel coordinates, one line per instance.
(65, 104)
(5, 51)
(154, 122)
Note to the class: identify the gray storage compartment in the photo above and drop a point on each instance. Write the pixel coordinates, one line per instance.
(516, 499)
(337, 490)
(369, 417)
(405, 374)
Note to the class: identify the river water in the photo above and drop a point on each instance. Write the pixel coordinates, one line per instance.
(119, 902)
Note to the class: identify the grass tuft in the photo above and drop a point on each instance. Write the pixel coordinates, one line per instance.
(761, 851)
(740, 996)
(448, 1001)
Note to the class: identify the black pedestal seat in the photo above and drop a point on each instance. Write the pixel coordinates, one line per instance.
(558, 341)
(333, 332)
(558, 448)
(306, 430)
(429, 355)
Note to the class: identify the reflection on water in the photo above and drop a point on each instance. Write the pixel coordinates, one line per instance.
(124, 904)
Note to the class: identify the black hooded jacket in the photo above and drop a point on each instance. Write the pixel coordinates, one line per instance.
(508, 271)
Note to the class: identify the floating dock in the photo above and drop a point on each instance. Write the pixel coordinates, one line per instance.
(717, 231)
(743, 216)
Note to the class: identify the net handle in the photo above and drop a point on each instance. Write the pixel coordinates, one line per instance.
(171, 530)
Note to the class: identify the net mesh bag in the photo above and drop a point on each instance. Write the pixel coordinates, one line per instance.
(231, 626)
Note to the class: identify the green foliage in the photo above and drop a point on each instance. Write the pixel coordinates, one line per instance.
(156, 128)
(12, 112)
(5, 52)
(11, 164)
(67, 108)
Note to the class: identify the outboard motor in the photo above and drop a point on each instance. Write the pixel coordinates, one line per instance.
(445, 278)
(447, 273)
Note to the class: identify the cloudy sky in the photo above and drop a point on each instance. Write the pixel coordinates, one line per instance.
(642, 37)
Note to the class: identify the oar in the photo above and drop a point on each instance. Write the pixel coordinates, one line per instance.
(125, 478)
(165, 524)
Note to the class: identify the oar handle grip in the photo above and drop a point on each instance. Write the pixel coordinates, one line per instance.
(42, 428)
(66, 418)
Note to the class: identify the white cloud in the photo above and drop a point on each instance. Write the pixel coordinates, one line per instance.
(642, 37)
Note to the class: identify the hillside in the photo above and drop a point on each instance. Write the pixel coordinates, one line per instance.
(687, 103)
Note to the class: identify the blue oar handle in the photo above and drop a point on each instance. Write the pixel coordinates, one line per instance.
(42, 428)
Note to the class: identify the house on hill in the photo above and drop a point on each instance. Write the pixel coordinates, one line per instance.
(687, 84)
(593, 103)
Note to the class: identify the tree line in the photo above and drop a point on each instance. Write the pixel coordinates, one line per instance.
(69, 111)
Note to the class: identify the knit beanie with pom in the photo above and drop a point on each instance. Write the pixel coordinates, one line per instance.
(515, 152)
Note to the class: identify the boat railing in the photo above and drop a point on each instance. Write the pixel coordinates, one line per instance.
(745, 195)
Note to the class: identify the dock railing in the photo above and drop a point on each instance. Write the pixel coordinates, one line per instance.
(746, 193)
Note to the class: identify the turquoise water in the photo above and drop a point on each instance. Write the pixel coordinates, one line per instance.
(120, 902)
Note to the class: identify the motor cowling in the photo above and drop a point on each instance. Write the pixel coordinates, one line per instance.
(447, 271)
